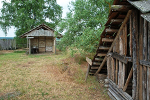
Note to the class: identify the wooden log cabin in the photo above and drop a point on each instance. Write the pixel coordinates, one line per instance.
(40, 39)
(124, 51)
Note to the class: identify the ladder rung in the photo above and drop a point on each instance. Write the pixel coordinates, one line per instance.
(103, 48)
(107, 40)
(98, 59)
(96, 63)
(101, 54)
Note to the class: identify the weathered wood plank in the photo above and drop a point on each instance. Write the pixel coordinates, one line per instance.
(89, 61)
(96, 63)
(108, 67)
(148, 71)
(145, 63)
(124, 22)
(87, 73)
(113, 69)
(98, 59)
(119, 57)
(122, 8)
(116, 71)
(103, 48)
(107, 40)
(111, 30)
(145, 53)
(131, 36)
(125, 40)
(101, 54)
(121, 71)
(128, 79)
(141, 58)
(116, 20)
(134, 44)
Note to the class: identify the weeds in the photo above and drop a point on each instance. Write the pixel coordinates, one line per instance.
(39, 77)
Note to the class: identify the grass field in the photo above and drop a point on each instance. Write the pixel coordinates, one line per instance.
(46, 77)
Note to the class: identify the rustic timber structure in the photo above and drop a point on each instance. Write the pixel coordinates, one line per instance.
(124, 51)
(40, 39)
(7, 43)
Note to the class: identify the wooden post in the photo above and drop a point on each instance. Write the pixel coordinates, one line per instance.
(121, 69)
(141, 58)
(145, 58)
(27, 42)
(109, 67)
(148, 71)
(29, 46)
(55, 45)
(135, 56)
(87, 73)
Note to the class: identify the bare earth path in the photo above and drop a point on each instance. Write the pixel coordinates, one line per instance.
(46, 77)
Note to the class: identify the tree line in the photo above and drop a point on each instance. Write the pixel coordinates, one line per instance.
(81, 27)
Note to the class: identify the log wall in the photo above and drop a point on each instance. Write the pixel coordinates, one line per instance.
(128, 64)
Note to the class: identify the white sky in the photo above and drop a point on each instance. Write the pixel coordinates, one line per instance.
(63, 3)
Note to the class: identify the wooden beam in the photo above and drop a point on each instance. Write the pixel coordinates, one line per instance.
(145, 63)
(116, 20)
(103, 48)
(96, 63)
(87, 73)
(128, 79)
(101, 54)
(98, 59)
(111, 30)
(119, 57)
(124, 22)
(107, 40)
(141, 58)
(89, 61)
(120, 8)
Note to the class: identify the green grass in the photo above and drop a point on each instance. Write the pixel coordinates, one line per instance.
(39, 77)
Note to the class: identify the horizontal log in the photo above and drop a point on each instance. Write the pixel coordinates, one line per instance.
(121, 58)
(101, 54)
(116, 20)
(122, 8)
(145, 63)
(89, 60)
(98, 59)
(94, 67)
(96, 63)
(111, 30)
(103, 48)
(119, 92)
(107, 40)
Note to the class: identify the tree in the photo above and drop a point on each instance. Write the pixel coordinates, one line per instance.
(84, 24)
(26, 14)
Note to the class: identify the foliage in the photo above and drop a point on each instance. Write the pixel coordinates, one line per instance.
(26, 14)
(84, 23)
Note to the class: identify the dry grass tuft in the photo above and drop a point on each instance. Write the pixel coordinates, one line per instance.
(51, 77)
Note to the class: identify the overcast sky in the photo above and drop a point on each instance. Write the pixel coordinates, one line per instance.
(63, 3)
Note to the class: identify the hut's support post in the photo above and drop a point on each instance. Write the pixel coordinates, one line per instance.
(54, 45)
(27, 42)
(29, 46)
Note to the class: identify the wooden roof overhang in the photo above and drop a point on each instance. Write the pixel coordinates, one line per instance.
(35, 31)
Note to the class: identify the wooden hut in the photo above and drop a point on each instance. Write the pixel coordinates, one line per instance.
(124, 51)
(40, 39)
